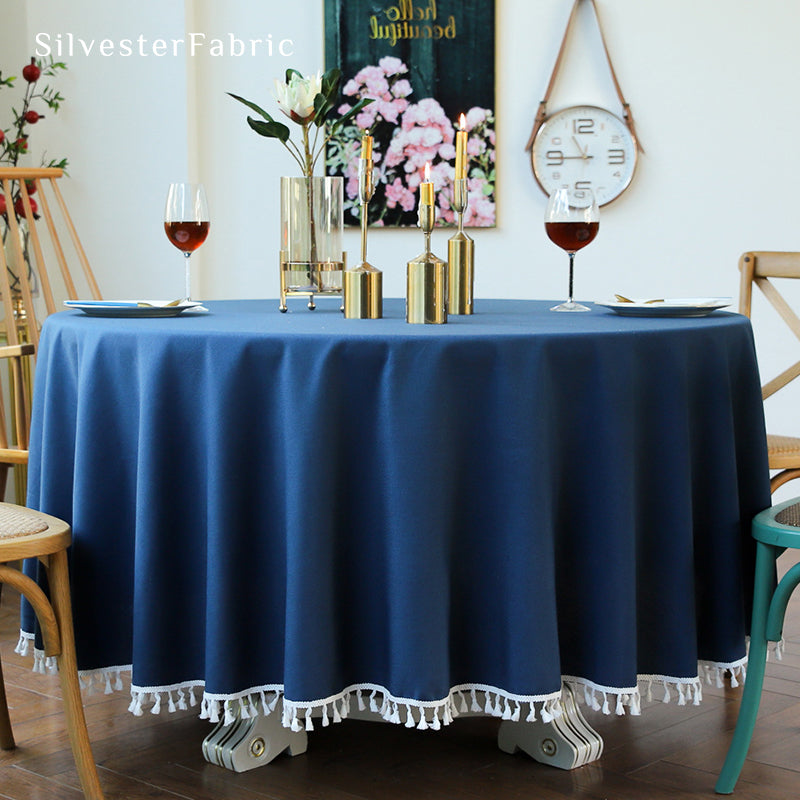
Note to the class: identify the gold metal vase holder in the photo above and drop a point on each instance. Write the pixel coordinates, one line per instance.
(363, 285)
(460, 257)
(426, 278)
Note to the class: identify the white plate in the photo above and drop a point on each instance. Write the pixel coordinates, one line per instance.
(131, 308)
(669, 307)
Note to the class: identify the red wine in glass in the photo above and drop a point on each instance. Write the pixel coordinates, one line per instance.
(187, 236)
(186, 220)
(571, 221)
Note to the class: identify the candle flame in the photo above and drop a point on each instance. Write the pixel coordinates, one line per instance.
(462, 122)
(427, 172)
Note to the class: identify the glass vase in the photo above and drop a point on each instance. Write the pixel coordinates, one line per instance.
(312, 223)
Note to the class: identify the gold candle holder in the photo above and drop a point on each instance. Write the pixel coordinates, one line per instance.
(460, 257)
(363, 285)
(426, 278)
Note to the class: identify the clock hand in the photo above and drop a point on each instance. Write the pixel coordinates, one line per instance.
(583, 151)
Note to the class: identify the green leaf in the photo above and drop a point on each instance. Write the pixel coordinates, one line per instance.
(330, 82)
(322, 107)
(290, 72)
(351, 113)
(272, 130)
(260, 111)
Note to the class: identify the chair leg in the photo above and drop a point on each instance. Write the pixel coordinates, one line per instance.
(756, 662)
(58, 578)
(6, 734)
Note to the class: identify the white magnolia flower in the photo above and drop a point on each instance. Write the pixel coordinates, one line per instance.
(296, 98)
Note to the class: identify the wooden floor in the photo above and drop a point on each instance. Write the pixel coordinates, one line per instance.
(669, 752)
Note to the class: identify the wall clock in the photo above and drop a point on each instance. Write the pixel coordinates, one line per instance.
(585, 147)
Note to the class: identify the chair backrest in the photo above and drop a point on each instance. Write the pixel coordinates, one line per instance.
(757, 267)
(35, 229)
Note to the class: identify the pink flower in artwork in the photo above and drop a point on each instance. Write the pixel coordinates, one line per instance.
(402, 88)
(397, 193)
(392, 66)
(475, 146)
(481, 210)
(476, 116)
(390, 111)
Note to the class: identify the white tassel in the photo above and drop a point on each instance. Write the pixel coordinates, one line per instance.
(213, 711)
(463, 707)
(606, 709)
(23, 644)
(360, 698)
(171, 704)
(181, 700)
(506, 710)
(192, 698)
(435, 724)
(295, 724)
(475, 706)
(409, 717)
(488, 708)
(698, 693)
(515, 715)
(230, 717)
(636, 704)
(309, 723)
(620, 709)
(118, 684)
(136, 704)
(156, 709)
(649, 691)
(734, 682)
(448, 713)
(244, 712)
(373, 706)
(545, 713)
(423, 723)
(681, 695)
(337, 717)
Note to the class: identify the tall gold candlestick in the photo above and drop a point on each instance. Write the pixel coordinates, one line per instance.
(460, 256)
(426, 275)
(363, 285)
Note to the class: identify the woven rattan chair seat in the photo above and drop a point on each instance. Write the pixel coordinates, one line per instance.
(15, 521)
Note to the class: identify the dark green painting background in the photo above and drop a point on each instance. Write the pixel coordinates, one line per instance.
(458, 72)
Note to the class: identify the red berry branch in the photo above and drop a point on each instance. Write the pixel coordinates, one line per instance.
(14, 141)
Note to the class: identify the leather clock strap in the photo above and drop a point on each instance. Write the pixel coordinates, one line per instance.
(541, 113)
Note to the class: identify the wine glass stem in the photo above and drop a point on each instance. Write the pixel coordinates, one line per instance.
(571, 268)
(189, 278)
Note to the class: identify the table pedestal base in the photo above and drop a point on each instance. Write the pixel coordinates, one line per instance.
(567, 742)
(249, 743)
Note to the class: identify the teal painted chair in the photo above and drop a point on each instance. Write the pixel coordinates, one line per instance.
(774, 530)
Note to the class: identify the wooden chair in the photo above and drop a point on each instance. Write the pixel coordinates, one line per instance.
(29, 290)
(774, 529)
(31, 534)
(757, 268)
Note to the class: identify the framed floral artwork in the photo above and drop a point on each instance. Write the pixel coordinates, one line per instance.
(429, 67)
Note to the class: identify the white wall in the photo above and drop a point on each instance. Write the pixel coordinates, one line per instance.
(712, 87)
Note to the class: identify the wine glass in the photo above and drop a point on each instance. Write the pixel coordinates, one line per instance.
(186, 220)
(571, 221)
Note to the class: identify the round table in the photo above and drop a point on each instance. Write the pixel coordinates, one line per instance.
(316, 509)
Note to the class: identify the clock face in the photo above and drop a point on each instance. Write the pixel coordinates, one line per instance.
(584, 147)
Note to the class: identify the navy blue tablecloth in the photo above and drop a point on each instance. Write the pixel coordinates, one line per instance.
(300, 505)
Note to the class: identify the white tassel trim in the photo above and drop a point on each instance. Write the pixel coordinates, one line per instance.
(463, 699)
(422, 715)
